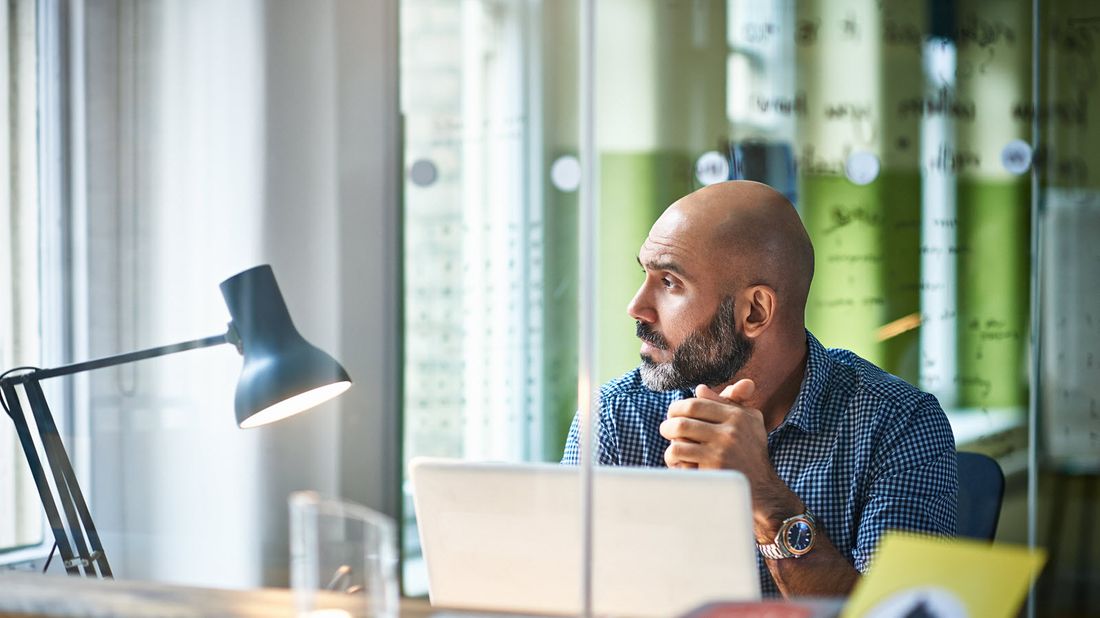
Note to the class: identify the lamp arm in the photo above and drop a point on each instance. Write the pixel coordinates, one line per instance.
(119, 359)
(75, 534)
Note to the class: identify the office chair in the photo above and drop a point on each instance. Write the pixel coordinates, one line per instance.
(981, 490)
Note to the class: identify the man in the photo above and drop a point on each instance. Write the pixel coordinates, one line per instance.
(836, 451)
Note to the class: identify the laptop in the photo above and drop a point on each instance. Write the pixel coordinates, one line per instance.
(507, 537)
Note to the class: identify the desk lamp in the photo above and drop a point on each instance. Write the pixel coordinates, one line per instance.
(282, 375)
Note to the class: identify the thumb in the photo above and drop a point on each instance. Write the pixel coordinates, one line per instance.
(705, 392)
(739, 391)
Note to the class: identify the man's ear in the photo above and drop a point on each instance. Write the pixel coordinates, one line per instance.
(760, 304)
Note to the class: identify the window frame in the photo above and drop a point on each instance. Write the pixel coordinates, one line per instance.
(43, 170)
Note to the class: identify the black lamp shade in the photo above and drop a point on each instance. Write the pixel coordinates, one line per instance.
(283, 374)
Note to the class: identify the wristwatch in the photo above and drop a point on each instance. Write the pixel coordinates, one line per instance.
(796, 538)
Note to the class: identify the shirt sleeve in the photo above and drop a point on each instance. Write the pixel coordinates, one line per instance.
(572, 455)
(608, 451)
(914, 485)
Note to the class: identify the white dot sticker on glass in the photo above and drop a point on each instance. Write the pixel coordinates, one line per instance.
(565, 173)
(423, 173)
(862, 167)
(1016, 157)
(712, 167)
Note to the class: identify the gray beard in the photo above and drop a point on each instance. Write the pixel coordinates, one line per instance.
(661, 376)
(711, 355)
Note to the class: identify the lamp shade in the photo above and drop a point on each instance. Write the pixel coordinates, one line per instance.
(283, 374)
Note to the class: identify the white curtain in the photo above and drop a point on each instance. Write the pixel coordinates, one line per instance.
(221, 135)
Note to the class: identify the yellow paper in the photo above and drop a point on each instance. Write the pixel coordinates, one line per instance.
(944, 578)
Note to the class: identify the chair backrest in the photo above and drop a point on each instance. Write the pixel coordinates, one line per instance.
(981, 489)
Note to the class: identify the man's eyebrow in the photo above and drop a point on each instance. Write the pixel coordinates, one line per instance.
(668, 265)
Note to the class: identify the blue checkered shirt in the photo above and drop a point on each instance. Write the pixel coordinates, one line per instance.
(864, 450)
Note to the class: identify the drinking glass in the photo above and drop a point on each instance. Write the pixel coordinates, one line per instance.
(343, 558)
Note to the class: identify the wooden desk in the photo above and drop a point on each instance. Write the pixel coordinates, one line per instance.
(31, 594)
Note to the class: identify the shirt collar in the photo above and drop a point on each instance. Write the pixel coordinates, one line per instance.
(806, 413)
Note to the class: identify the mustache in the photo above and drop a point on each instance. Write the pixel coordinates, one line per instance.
(646, 333)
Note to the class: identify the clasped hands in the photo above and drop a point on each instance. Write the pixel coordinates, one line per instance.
(715, 430)
(719, 431)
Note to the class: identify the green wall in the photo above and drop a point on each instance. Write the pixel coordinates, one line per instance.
(867, 264)
(635, 188)
(993, 266)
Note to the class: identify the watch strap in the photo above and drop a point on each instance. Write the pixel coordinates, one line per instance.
(773, 551)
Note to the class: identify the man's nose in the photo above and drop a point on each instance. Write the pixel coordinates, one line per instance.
(640, 308)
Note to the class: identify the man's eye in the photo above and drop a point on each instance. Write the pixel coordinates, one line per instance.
(667, 282)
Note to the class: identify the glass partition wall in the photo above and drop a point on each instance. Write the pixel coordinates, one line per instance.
(939, 158)
(489, 99)
(1065, 452)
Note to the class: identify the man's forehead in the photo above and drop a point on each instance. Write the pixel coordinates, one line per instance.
(673, 235)
(661, 254)
(656, 246)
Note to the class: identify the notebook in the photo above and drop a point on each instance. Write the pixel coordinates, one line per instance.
(507, 537)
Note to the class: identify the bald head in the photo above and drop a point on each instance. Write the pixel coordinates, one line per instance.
(753, 235)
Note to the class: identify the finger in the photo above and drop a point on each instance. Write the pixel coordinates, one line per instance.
(672, 463)
(739, 391)
(701, 409)
(684, 428)
(681, 454)
(705, 392)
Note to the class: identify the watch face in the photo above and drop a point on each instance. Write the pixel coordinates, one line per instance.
(800, 537)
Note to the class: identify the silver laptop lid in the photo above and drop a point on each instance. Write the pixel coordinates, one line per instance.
(507, 537)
